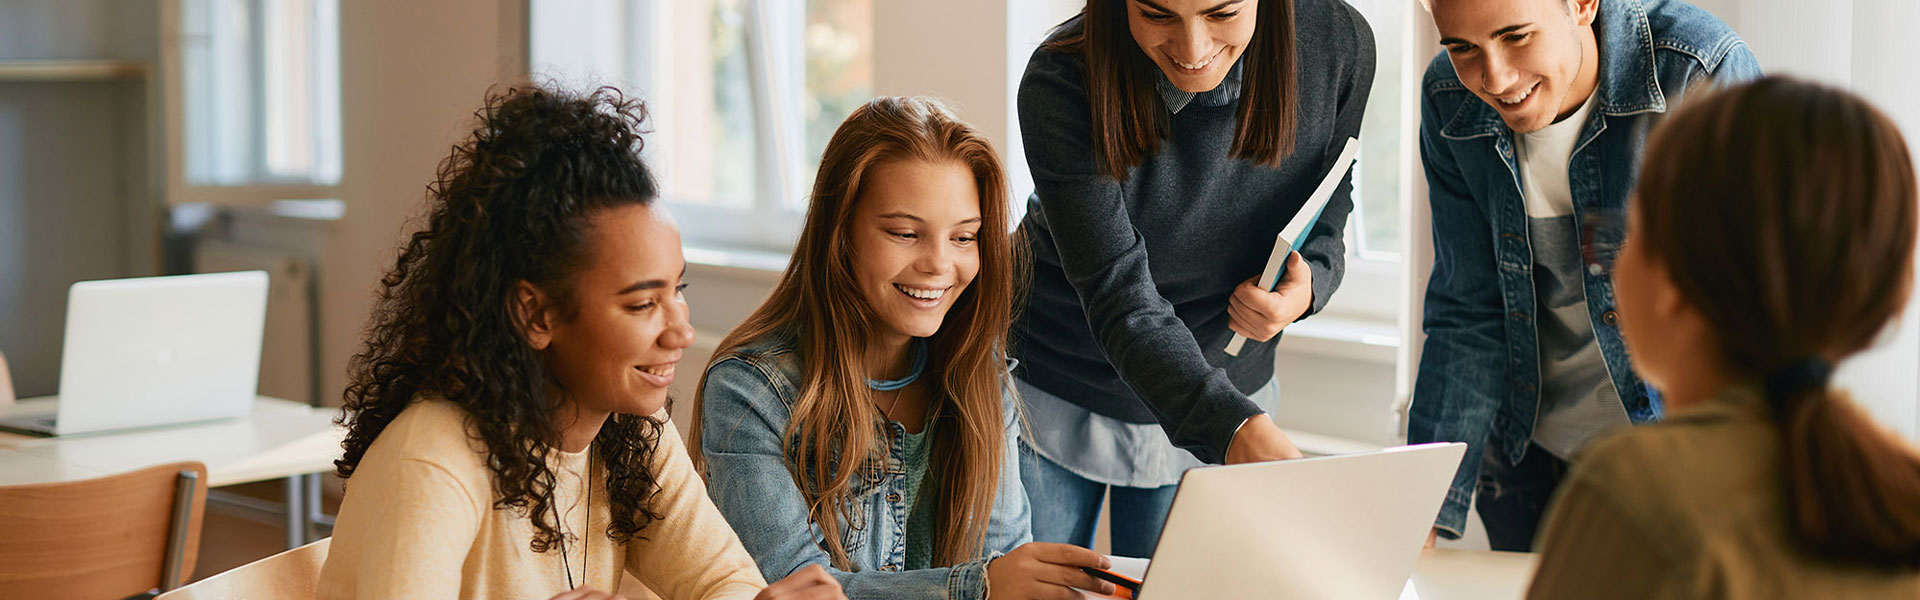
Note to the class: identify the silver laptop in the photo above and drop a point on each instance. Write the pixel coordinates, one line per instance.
(156, 351)
(1348, 526)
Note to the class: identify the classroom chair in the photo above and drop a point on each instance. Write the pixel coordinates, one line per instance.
(6, 382)
(290, 575)
(103, 538)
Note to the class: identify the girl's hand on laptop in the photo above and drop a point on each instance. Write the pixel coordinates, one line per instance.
(811, 583)
(1043, 571)
(1259, 440)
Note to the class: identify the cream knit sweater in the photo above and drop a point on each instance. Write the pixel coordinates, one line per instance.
(418, 522)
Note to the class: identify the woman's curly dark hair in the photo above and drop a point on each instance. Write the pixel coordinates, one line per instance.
(512, 203)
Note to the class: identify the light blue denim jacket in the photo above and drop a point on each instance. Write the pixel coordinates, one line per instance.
(1479, 371)
(745, 407)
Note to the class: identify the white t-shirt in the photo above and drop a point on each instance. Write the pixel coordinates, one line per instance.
(1577, 397)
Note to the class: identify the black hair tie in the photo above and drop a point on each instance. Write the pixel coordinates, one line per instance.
(1798, 376)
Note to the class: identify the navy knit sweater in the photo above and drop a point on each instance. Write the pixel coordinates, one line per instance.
(1127, 314)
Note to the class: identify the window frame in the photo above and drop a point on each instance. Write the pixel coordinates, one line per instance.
(773, 39)
(258, 189)
(1375, 284)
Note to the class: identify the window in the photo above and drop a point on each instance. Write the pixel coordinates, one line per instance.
(743, 94)
(258, 95)
(1373, 288)
(1385, 141)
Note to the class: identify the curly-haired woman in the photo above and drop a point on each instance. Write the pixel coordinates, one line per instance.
(504, 429)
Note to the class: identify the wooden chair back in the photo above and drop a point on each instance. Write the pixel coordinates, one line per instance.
(6, 382)
(104, 538)
(290, 575)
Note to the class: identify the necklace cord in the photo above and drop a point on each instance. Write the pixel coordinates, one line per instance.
(919, 366)
(586, 480)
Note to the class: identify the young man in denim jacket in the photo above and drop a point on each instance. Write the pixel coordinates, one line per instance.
(1532, 123)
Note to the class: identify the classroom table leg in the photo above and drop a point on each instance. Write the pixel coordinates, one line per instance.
(296, 511)
(314, 508)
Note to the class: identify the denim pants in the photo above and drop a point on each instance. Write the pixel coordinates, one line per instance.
(1513, 497)
(1066, 506)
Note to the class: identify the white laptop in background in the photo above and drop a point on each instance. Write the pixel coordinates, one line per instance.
(1347, 526)
(156, 351)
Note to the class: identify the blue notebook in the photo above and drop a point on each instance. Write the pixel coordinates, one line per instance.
(1295, 234)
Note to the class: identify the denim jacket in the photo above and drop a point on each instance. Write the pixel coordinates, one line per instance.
(746, 405)
(1479, 373)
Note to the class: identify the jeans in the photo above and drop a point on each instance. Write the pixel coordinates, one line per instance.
(1065, 508)
(1514, 497)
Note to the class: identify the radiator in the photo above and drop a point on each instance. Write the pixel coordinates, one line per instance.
(287, 353)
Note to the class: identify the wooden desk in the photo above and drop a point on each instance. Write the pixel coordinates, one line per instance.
(279, 439)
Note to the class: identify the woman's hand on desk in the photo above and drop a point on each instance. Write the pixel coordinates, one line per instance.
(1259, 314)
(1043, 571)
(1259, 440)
(811, 583)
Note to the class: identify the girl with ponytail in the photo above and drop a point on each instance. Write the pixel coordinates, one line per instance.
(1773, 237)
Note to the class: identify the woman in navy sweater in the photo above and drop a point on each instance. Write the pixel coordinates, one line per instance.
(1169, 141)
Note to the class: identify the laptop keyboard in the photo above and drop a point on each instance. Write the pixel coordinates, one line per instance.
(30, 423)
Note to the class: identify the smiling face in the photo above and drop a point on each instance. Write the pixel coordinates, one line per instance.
(1533, 61)
(615, 347)
(915, 249)
(1195, 42)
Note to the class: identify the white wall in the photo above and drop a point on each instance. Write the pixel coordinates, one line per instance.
(1883, 69)
(1028, 22)
(952, 50)
(971, 54)
(412, 74)
(76, 200)
(1794, 37)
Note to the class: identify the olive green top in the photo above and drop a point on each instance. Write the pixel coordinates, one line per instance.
(920, 518)
(1693, 507)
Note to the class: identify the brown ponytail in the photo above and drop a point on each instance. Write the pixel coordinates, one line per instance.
(1853, 493)
(1811, 200)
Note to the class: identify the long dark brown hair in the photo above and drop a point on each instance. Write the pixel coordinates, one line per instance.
(512, 203)
(815, 303)
(1785, 212)
(1129, 120)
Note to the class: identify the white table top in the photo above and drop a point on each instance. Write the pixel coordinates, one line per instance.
(1445, 574)
(278, 439)
(1439, 574)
